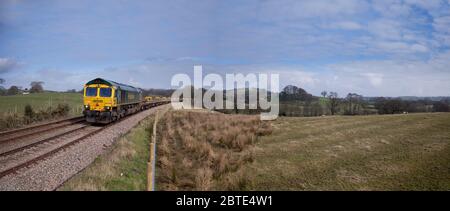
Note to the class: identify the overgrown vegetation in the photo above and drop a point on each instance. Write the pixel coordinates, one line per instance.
(195, 151)
(205, 151)
(14, 120)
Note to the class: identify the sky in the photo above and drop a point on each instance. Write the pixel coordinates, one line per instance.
(369, 47)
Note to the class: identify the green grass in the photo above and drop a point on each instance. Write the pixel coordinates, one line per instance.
(16, 103)
(124, 167)
(380, 152)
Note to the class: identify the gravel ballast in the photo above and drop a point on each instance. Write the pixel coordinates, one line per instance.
(50, 173)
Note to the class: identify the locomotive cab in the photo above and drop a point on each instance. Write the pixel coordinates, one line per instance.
(106, 101)
(99, 103)
(98, 97)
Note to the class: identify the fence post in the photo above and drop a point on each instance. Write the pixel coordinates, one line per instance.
(151, 163)
(150, 176)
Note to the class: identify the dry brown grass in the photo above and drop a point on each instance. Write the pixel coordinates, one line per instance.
(377, 152)
(204, 151)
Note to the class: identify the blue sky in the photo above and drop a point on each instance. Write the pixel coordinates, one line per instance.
(374, 48)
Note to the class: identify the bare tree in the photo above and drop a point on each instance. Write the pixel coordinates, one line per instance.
(324, 93)
(333, 102)
(36, 86)
(354, 103)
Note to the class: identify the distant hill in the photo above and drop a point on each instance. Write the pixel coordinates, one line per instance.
(411, 98)
(290, 93)
(158, 92)
(414, 98)
(294, 93)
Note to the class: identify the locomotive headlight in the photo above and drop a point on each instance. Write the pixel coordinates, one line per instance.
(107, 107)
(86, 106)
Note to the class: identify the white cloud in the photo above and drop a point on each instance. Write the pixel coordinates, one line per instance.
(133, 82)
(399, 47)
(8, 64)
(394, 77)
(425, 4)
(345, 25)
(293, 9)
(349, 25)
(369, 78)
(380, 47)
(391, 8)
(441, 26)
(296, 76)
(386, 29)
(376, 79)
(418, 48)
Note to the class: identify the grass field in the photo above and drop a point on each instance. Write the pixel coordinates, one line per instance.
(16, 103)
(380, 152)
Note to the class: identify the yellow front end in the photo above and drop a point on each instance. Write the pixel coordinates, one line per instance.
(99, 97)
(148, 99)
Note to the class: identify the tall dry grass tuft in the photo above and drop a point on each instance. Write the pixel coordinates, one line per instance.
(235, 181)
(199, 150)
(203, 179)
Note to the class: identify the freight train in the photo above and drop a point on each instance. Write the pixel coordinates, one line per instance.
(107, 101)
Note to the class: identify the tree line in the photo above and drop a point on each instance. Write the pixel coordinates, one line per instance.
(35, 87)
(295, 101)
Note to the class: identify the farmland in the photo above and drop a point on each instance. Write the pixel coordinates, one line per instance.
(380, 152)
(16, 103)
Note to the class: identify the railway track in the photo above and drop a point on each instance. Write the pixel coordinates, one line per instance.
(25, 156)
(12, 146)
(23, 147)
(12, 135)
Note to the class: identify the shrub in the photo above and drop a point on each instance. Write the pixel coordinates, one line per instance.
(61, 110)
(29, 112)
(10, 120)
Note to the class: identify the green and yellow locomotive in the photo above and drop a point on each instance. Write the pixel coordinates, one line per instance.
(106, 101)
